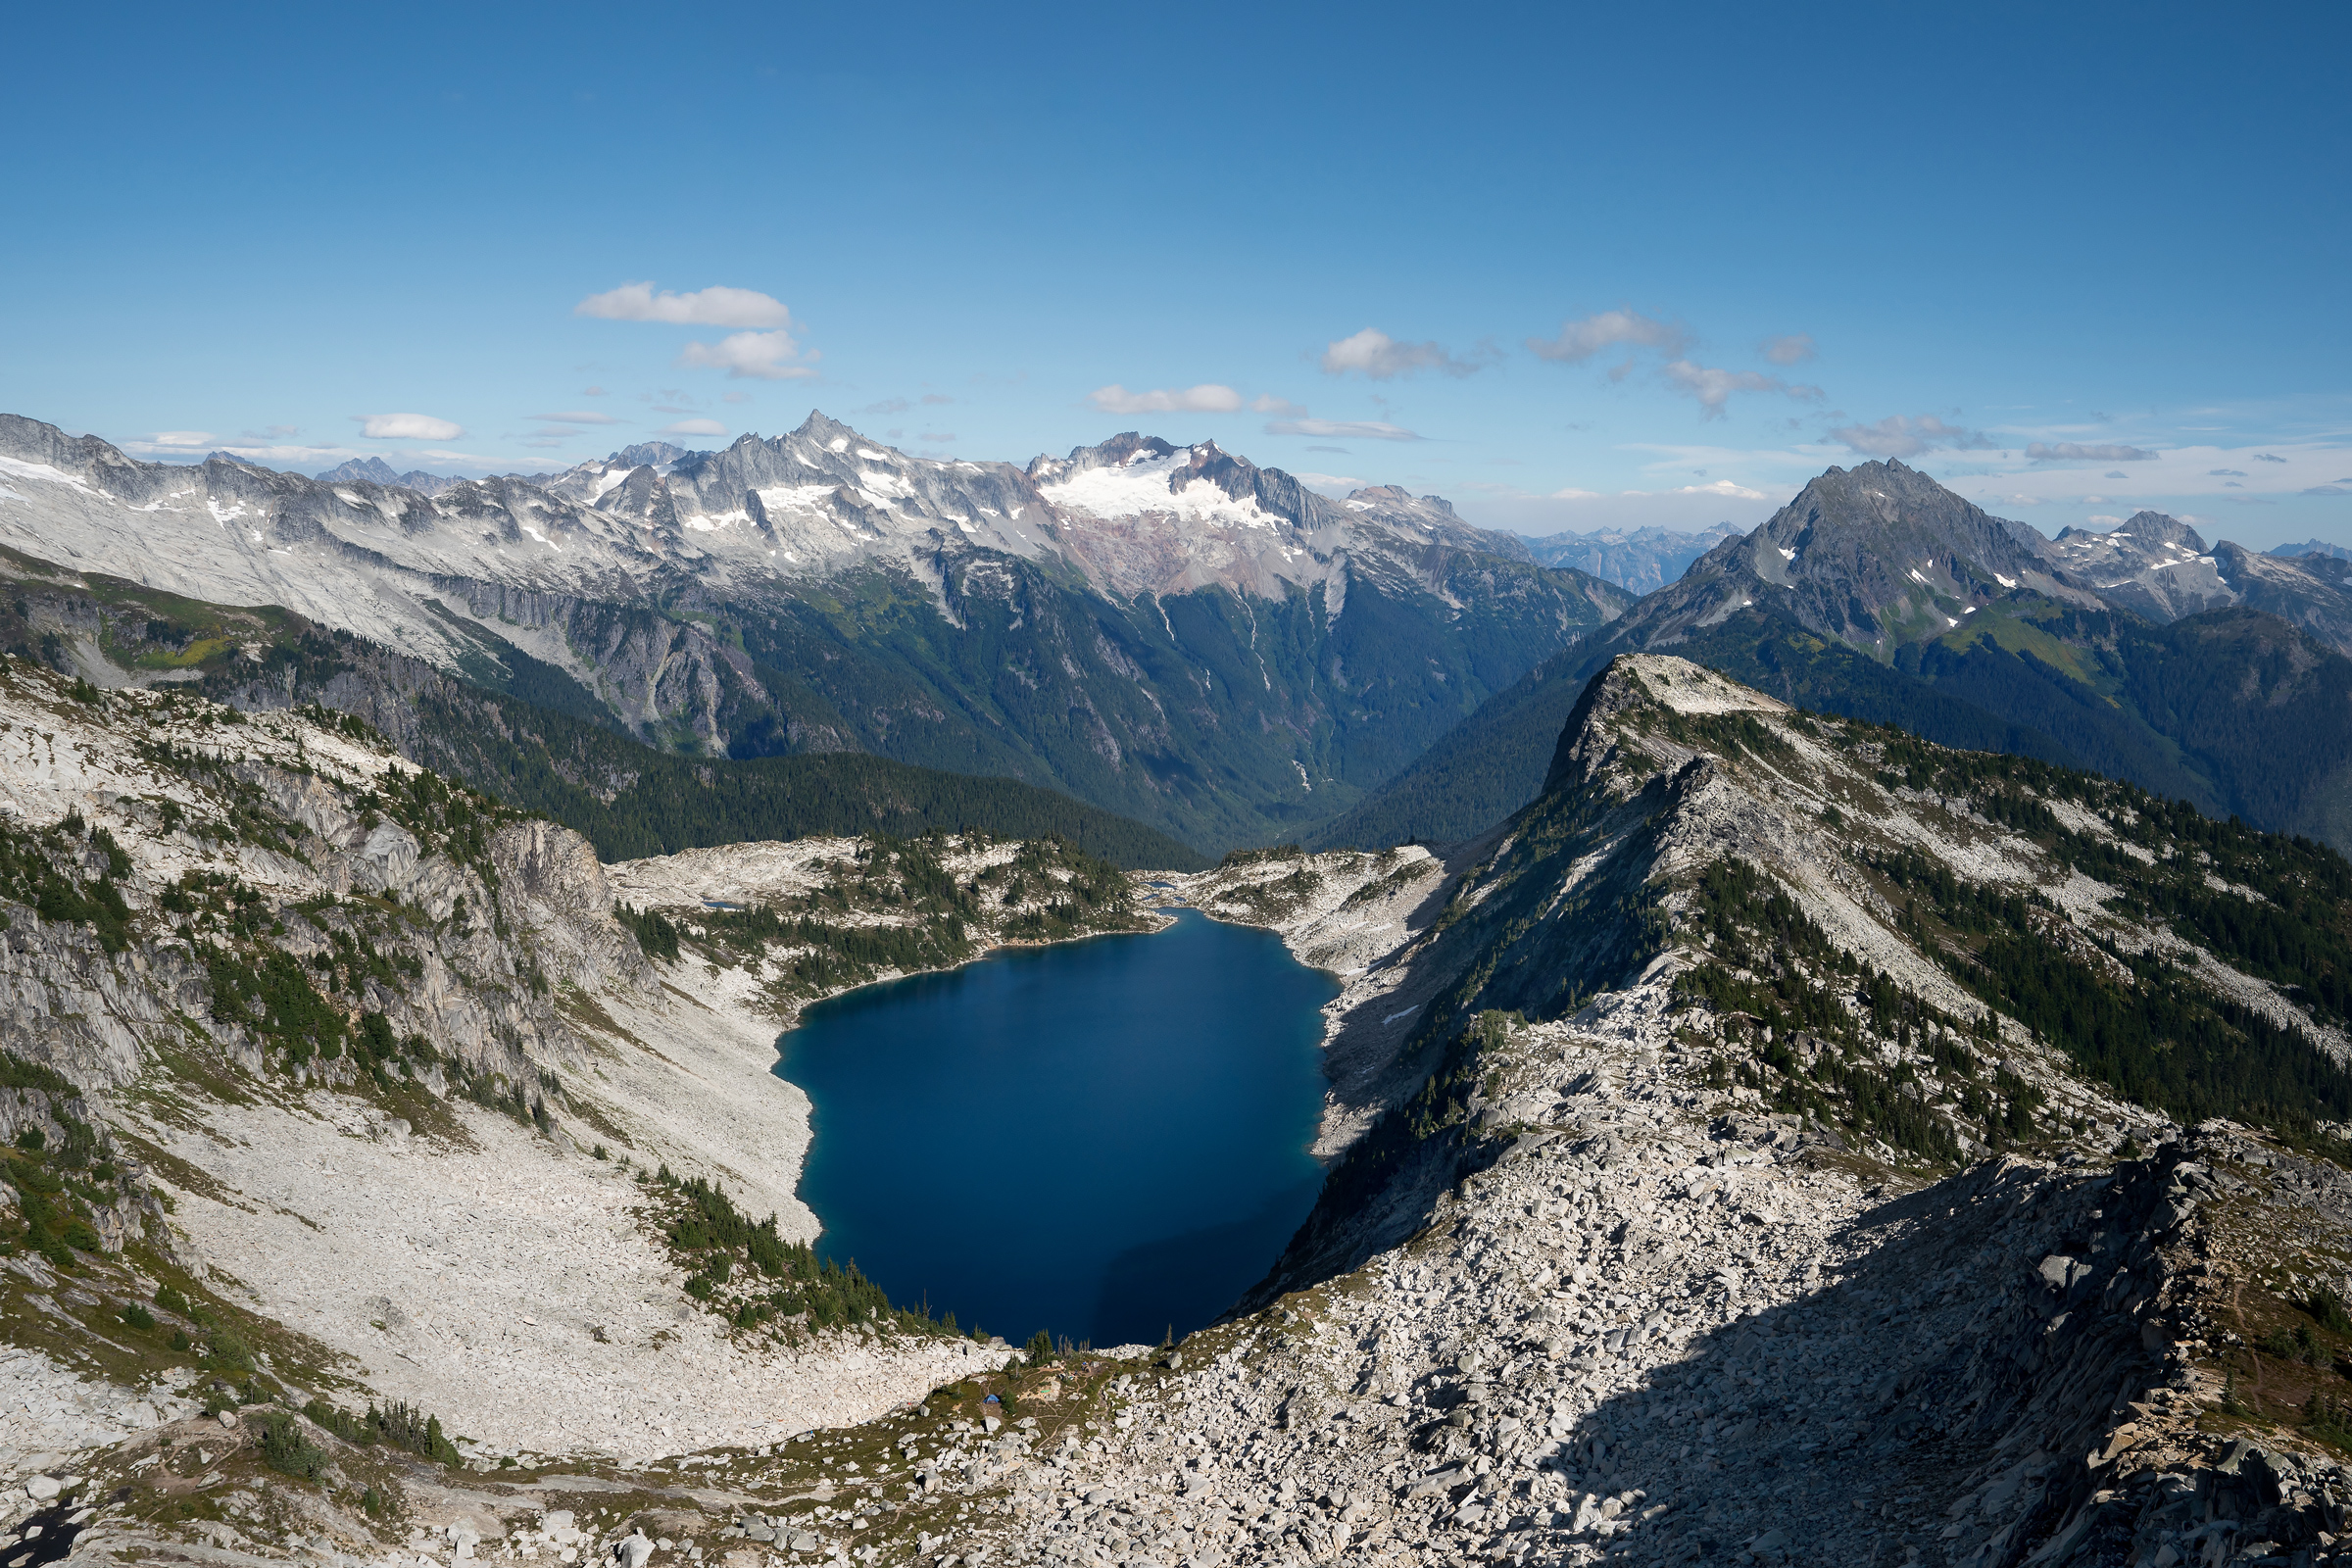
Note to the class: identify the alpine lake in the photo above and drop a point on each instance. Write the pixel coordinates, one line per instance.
(1104, 1138)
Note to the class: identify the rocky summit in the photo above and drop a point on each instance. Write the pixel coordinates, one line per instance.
(1783, 1141)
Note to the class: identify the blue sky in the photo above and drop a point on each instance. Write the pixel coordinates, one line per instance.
(1569, 268)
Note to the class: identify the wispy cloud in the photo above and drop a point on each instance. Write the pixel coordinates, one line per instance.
(1280, 408)
(1899, 436)
(1713, 385)
(1795, 348)
(693, 427)
(576, 417)
(1208, 398)
(1579, 341)
(2265, 457)
(2226, 473)
(1341, 429)
(2077, 451)
(407, 427)
(1720, 487)
(764, 355)
(1377, 357)
(704, 307)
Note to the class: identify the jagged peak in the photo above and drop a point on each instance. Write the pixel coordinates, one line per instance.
(2155, 528)
(821, 426)
(1128, 446)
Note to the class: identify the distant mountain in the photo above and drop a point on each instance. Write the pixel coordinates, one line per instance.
(2314, 547)
(375, 471)
(2217, 676)
(656, 453)
(1169, 632)
(1643, 560)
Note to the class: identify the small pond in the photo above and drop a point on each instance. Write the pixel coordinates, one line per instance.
(1102, 1139)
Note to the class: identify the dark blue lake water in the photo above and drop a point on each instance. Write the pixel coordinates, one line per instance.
(1101, 1138)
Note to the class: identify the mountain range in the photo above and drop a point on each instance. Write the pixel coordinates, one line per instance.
(2214, 675)
(1169, 632)
(1640, 560)
(1175, 635)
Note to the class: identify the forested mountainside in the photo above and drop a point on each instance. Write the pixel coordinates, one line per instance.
(1170, 634)
(1880, 594)
(536, 745)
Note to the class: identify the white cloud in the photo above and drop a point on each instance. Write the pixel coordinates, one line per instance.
(1713, 386)
(1377, 357)
(2102, 517)
(707, 307)
(693, 427)
(1720, 487)
(1280, 408)
(1795, 348)
(1899, 436)
(1342, 483)
(752, 354)
(1341, 429)
(406, 427)
(1206, 397)
(175, 441)
(2076, 452)
(1579, 341)
(574, 417)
